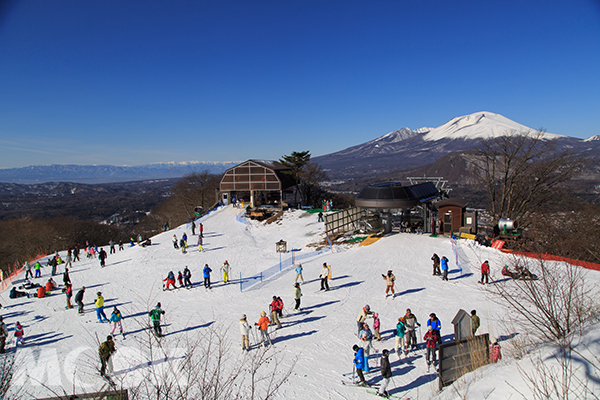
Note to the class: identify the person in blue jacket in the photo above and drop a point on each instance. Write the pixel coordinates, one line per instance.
(206, 272)
(359, 363)
(436, 325)
(444, 262)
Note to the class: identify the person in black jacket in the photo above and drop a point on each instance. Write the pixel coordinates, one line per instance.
(187, 275)
(79, 299)
(386, 373)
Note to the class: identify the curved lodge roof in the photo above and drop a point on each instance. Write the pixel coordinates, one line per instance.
(395, 196)
(256, 175)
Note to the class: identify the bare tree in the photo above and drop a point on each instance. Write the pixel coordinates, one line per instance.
(520, 172)
(310, 179)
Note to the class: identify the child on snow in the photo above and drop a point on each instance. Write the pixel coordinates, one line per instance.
(116, 318)
(376, 326)
(359, 363)
(400, 334)
(180, 279)
(170, 279)
(19, 334)
(245, 331)
(366, 338)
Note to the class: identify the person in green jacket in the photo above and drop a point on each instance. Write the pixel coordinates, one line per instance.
(106, 350)
(155, 314)
(297, 295)
(476, 321)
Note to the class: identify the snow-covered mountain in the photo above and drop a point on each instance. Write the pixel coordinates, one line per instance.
(406, 148)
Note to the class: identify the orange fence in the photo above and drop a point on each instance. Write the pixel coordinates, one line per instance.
(550, 257)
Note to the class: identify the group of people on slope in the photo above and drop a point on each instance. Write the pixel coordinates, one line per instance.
(437, 262)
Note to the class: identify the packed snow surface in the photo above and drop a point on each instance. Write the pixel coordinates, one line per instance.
(59, 344)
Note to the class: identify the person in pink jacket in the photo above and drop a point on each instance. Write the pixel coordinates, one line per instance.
(376, 326)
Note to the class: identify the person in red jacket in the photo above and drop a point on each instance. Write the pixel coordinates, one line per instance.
(275, 304)
(41, 292)
(50, 285)
(485, 272)
(431, 339)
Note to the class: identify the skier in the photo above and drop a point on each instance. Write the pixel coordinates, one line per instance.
(485, 272)
(431, 339)
(435, 324)
(175, 246)
(245, 331)
(201, 229)
(362, 317)
(66, 277)
(187, 276)
(386, 373)
(200, 241)
(155, 314)
(297, 296)
(102, 256)
(68, 290)
(324, 275)
(37, 266)
(400, 334)
(182, 246)
(184, 238)
(3, 335)
(28, 272)
(263, 326)
(121, 245)
(76, 253)
(19, 334)
(79, 299)
(274, 307)
(170, 279)
(475, 320)
(69, 259)
(206, 273)
(100, 308)
(359, 363)
(106, 350)
(389, 279)
(436, 264)
(299, 273)
(111, 243)
(410, 322)
(320, 215)
(376, 326)
(444, 262)
(366, 338)
(193, 228)
(52, 262)
(180, 279)
(225, 268)
(116, 318)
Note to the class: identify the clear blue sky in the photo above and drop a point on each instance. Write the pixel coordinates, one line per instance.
(137, 82)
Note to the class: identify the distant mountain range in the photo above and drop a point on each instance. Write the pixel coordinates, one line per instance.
(94, 174)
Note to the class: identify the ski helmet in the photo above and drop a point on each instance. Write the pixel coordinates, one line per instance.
(243, 316)
(109, 337)
(367, 307)
(158, 304)
(385, 352)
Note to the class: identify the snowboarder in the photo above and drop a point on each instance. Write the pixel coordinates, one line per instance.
(115, 319)
(297, 296)
(180, 279)
(170, 279)
(400, 334)
(444, 262)
(410, 322)
(389, 279)
(19, 334)
(225, 268)
(155, 314)
(475, 320)
(507, 272)
(362, 317)
(3, 335)
(79, 299)
(431, 339)
(68, 290)
(324, 276)
(386, 373)
(102, 256)
(359, 364)
(50, 285)
(100, 308)
(175, 246)
(263, 326)
(435, 324)
(187, 276)
(376, 326)
(299, 273)
(485, 272)
(245, 331)
(274, 307)
(14, 293)
(206, 273)
(106, 350)
(436, 264)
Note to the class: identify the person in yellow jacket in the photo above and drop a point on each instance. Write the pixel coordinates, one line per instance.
(100, 308)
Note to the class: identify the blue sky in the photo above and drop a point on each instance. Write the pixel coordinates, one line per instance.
(138, 82)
